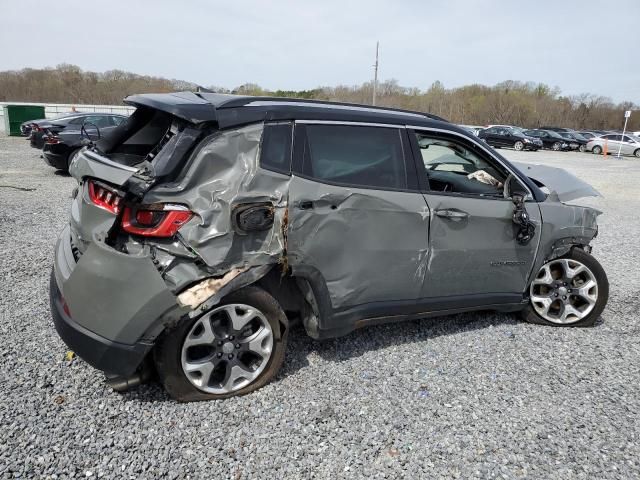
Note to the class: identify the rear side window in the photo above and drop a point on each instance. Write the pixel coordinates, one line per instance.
(276, 148)
(355, 155)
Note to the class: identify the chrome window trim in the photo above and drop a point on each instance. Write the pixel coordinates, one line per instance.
(475, 142)
(352, 124)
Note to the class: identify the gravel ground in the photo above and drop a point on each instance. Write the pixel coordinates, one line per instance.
(473, 395)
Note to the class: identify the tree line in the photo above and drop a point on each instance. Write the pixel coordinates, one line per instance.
(527, 104)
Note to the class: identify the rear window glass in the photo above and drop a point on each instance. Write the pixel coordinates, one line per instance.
(355, 155)
(276, 148)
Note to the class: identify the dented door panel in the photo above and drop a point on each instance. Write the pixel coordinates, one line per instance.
(369, 245)
(477, 253)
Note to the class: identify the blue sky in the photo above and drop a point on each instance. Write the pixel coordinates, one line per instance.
(304, 44)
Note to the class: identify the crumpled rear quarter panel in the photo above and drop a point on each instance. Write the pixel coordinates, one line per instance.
(223, 173)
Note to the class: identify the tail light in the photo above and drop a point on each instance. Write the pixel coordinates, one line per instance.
(36, 128)
(159, 220)
(52, 140)
(104, 196)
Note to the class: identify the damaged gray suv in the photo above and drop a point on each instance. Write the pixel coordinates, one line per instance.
(203, 227)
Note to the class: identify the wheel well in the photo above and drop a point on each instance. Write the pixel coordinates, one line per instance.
(286, 291)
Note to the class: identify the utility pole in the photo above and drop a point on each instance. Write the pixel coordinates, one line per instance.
(375, 75)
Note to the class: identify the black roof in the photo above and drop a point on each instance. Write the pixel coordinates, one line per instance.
(229, 110)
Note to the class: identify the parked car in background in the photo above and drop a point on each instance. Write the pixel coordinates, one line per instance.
(556, 129)
(60, 148)
(54, 125)
(25, 127)
(627, 144)
(509, 137)
(475, 129)
(589, 134)
(575, 140)
(197, 249)
(549, 138)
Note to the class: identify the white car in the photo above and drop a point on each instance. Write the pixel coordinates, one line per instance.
(627, 144)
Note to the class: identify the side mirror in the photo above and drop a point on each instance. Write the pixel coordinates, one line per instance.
(513, 188)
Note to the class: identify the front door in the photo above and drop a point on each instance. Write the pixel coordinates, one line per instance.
(356, 215)
(472, 238)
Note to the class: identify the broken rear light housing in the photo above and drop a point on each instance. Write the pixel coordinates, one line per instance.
(104, 196)
(159, 220)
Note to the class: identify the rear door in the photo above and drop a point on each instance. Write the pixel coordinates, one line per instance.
(473, 251)
(356, 215)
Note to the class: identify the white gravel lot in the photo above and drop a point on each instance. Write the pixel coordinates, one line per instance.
(474, 395)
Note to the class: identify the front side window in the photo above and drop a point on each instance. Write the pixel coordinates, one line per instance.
(355, 155)
(454, 167)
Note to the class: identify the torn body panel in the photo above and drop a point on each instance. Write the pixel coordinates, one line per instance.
(221, 176)
(564, 227)
(566, 186)
(127, 294)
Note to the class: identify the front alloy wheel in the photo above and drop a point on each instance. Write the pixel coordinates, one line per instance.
(556, 146)
(518, 145)
(568, 291)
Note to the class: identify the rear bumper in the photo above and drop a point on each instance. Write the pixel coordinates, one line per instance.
(108, 306)
(99, 352)
(36, 140)
(54, 159)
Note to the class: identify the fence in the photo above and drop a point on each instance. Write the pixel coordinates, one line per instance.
(52, 110)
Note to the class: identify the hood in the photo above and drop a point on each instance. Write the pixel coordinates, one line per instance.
(565, 185)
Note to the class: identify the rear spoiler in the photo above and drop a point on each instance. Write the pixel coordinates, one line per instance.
(185, 105)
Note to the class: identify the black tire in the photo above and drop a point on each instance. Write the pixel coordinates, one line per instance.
(518, 145)
(70, 158)
(637, 153)
(167, 354)
(583, 148)
(531, 316)
(556, 146)
(596, 150)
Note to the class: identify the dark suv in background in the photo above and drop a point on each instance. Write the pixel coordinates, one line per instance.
(509, 137)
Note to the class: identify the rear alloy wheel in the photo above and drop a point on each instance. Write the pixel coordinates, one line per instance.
(233, 349)
(597, 150)
(637, 153)
(583, 148)
(556, 146)
(518, 145)
(568, 291)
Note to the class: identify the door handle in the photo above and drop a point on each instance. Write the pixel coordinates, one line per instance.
(305, 205)
(452, 214)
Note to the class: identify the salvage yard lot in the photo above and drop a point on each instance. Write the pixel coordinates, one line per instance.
(470, 395)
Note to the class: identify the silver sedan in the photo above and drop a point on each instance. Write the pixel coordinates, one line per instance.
(612, 142)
